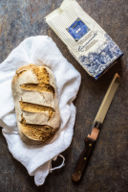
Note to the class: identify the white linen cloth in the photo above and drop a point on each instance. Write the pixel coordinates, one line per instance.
(35, 50)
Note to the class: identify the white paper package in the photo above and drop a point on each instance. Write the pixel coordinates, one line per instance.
(91, 46)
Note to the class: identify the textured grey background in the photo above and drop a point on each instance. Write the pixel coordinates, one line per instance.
(108, 168)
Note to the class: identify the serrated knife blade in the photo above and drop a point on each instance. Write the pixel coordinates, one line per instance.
(91, 139)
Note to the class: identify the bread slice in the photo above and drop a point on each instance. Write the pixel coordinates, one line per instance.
(36, 104)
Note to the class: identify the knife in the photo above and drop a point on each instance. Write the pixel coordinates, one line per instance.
(90, 140)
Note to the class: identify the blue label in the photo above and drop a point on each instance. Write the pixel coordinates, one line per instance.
(78, 29)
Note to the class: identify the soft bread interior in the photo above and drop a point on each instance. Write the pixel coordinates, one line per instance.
(29, 107)
(37, 87)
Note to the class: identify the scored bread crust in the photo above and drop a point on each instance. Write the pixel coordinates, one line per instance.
(36, 103)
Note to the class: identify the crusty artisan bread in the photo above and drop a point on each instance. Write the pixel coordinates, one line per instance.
(36, 105)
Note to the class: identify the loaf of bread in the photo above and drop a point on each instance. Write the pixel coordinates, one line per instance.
(36, 104)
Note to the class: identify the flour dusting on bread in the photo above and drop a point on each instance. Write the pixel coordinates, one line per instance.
(36, 104)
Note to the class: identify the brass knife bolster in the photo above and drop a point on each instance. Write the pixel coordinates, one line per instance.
(95, 130)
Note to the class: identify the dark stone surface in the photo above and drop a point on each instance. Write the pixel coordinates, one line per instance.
(108, 168)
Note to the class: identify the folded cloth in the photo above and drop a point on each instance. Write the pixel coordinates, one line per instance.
(37, 50)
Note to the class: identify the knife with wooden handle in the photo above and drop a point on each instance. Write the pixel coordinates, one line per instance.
(91, 139)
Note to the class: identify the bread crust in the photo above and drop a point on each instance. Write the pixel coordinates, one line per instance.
(36, 104)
